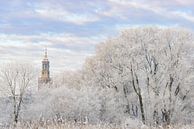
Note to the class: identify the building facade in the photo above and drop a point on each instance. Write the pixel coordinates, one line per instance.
(44, 79)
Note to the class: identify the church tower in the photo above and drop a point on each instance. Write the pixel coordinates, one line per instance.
(45, 73)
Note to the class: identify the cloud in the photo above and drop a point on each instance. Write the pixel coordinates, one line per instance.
(66, 51)
(184, 2)
(65, 16)
(49, 40)
(60, 11)
(120, 7)
(184, 15)
(65, 11)
(71, 29)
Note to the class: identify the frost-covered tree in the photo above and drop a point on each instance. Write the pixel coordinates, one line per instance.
(150, 68)
(16, 78)
(70, 79)
(65, 104)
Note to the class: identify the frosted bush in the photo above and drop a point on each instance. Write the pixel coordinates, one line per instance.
(132, 123)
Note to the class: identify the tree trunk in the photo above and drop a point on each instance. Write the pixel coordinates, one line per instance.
(141, 108)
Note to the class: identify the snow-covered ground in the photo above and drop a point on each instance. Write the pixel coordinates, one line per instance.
(90, 126)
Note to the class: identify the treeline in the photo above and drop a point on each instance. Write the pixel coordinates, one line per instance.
(144, 74)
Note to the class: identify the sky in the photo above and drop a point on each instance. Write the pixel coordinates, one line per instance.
(70, 29)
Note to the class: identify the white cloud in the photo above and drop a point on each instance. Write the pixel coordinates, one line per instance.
(184, 15)
(121, 7)
(184, 2)
(66, 51)
(49, 39)
(121, 27)
(66, 16)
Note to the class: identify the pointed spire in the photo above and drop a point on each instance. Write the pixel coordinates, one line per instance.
(45, 55)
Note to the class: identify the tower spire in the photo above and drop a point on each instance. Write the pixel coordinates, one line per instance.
(45, 53)
(45, 73)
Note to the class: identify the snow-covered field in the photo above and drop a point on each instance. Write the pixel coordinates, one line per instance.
(90, 126)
